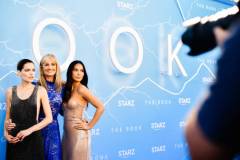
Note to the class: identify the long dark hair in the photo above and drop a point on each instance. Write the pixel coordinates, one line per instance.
(68, 86)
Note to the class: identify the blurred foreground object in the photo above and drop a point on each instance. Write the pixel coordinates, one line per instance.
(199, 35)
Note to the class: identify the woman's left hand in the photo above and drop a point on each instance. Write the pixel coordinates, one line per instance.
(23, 134)
(80, 124)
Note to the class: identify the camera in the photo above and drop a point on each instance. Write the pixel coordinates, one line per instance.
(199, 35)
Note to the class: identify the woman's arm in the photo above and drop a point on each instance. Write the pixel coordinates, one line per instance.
(83, 91)
(8, 137)
(42, 93)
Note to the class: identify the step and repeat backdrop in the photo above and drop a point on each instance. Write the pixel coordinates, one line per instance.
(135, 60)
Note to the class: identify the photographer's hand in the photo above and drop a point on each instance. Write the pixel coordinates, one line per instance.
(220, 35)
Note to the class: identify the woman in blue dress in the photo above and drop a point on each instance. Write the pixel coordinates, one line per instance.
(50, 79)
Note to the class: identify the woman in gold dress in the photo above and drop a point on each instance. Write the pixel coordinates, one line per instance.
(76, 96)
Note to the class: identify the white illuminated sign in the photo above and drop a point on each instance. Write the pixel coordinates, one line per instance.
(67, 29)
(113, 56)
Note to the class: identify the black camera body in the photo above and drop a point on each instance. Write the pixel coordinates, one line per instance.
(200, 37)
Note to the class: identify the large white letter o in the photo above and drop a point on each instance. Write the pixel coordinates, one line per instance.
(67, 29)
(113, 56)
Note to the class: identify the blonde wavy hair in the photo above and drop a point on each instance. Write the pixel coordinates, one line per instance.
(57, 78)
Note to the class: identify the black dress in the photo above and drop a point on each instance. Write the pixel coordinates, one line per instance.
(23, 114)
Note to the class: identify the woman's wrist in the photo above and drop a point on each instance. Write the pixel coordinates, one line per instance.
(88, 126)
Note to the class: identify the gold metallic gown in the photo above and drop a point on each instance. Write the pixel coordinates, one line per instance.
(76, 143)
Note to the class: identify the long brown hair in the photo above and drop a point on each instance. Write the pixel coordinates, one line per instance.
(68, 86)
(57, 78)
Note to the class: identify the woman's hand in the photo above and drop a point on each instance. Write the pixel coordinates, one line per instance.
(23, 134)
(11, 139)
(9, 125)
(80, 124)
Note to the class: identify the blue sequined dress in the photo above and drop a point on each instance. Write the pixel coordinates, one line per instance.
(51, 133)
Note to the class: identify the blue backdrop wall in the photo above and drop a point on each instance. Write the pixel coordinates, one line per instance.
(136, 63)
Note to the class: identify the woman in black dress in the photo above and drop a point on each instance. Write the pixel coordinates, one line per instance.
(24, 142)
